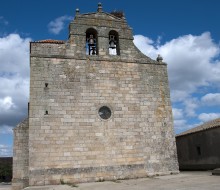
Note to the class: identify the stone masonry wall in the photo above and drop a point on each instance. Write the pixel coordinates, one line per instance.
(20, 156)
(70, 142)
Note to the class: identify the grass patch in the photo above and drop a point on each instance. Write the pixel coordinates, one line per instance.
(116, 181)
(101, 180)
(62, 182)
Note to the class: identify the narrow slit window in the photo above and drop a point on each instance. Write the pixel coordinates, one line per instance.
(198, 149)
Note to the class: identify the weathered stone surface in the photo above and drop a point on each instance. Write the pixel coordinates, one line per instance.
(68, 140)
(20, 156)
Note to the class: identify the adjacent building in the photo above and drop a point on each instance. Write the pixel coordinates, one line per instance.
(99, 109)
(198, 148)
(5, 169)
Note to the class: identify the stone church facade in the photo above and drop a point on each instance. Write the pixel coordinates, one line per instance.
(99, 109)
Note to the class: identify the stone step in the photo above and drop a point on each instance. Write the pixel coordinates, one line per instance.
(49, 187)
(216, 171)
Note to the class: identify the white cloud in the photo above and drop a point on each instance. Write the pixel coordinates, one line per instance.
(190, 61)
(57, 25)
(181, 125)
(211, 99)
(190, 106)
(14, 79)
(5, 150)
(177, 113)
(14, 56)
(179, 122)
(5, 129)
(178, 95)
(208, 116)
(146, 46)
(6, 103)
(193, 64)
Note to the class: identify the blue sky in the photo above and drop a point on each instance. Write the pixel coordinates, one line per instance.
(185, 33)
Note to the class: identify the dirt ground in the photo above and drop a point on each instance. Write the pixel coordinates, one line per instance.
(184, 180)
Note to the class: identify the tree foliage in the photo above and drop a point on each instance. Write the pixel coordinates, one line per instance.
(5, 172)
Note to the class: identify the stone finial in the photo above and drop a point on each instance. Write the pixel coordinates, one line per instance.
(99, 7)
(159, 58)
(77, 11)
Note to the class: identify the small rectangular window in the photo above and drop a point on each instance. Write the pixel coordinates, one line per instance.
(198, 148)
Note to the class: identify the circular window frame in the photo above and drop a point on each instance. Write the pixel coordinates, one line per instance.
(108, 109)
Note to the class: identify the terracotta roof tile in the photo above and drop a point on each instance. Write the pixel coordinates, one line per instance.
(208, 125)
(50, 41)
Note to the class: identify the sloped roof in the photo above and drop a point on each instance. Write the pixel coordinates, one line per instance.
(208, 125)
(118, 15)
(23, 124)
(50, 41)
(101, 15)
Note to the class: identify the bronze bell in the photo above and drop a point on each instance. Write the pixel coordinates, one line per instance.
(112, 42)
(91, 40)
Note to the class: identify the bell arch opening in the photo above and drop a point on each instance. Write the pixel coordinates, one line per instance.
(91, 42)
(114, 43)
